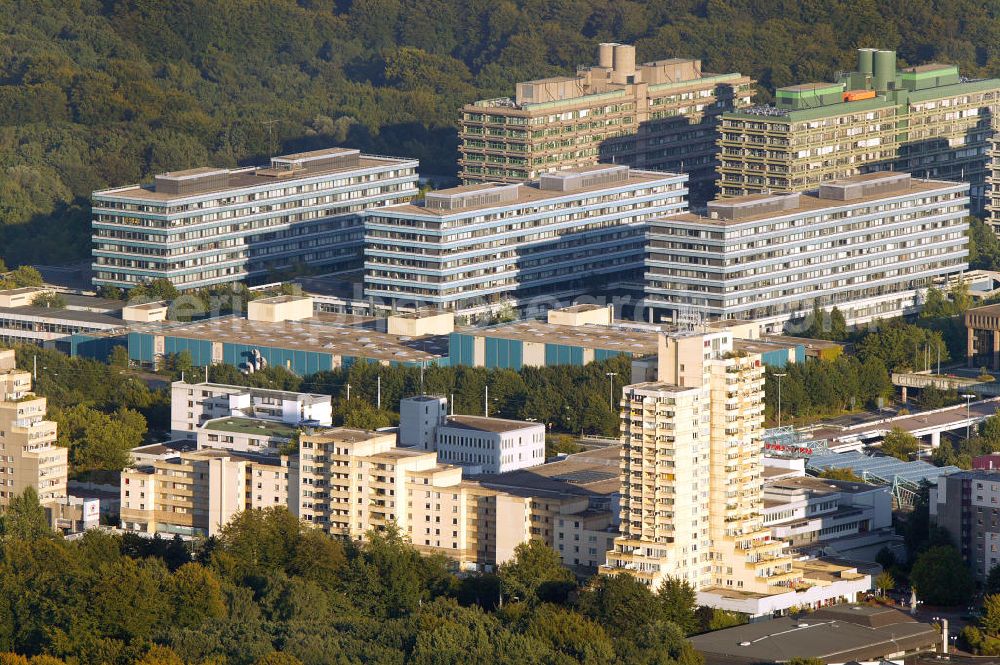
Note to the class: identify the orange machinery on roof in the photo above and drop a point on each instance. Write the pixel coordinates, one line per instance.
(857, 95)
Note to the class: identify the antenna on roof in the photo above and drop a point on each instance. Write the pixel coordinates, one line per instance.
(270, 136)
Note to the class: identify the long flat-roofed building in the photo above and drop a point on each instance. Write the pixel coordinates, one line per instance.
(926, 120)
(868, 244)
(658, 115)
(476, 248)
(207, 226)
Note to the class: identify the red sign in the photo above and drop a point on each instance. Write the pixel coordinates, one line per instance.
(782, 448)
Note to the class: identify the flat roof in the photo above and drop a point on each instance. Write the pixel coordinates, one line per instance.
(985, 309)
(929, 67)
(77, 301)
(213, 453)
(310, 334)
(246, 178)
(528, 192)
(807, 342)
(820, 485)
(146, 306)
(582, 474)
(250, 426)
(321, 152)
(844, 633)
(583, 307)
(806, 87)
(346, 435)
(69, 315)
(258, 392)
(21, 290)
(810, 201)
(483, 424)
(166, 447)
(609, 338)
(661, 385)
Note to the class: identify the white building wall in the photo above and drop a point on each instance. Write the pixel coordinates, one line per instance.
(492, 452)
(419, 417)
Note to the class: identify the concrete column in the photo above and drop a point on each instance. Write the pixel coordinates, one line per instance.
(970, 346)
(935, 439)
(904, 394)
(996, 349)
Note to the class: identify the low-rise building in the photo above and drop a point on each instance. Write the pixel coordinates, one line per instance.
(851, 519)
(29, 456)
(869, 245)
(841, 634)
(479, 444)
(192, 405)
(22, 321)
(490, 445)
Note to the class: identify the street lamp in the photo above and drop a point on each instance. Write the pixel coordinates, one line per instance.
(779, 376)
(968, 417)
(611, 380)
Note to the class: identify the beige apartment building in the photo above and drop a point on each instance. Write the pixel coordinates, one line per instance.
(353, 481)
(349, 482)
(196, 493)
(692, 474)
(29, 456)
(658, 115)
(692, 486)
(926, 120)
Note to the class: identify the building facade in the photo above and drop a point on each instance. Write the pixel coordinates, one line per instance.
(477, 248)
(869, 245)
(967, 506)
(982, 328)
(925, 120)
(208, 226)
(659, 115)
(29, 456)
(195, 494)
(805, 511)
(692, 488)
(476, 443)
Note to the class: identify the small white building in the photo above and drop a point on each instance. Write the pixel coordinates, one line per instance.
(490, 445)
(849, 519)
(194, 404)
(477, 443)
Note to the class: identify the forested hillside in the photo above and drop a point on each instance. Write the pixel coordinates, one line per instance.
(99, 92)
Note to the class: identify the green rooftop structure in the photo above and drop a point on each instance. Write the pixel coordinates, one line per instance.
(926, 120)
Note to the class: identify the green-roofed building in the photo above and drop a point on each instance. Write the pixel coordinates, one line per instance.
(925, 120)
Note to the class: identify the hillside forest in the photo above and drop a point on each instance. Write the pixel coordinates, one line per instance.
(95, 93)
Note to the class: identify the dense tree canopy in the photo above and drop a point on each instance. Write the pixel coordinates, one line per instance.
(269, 591)
(106, 93)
